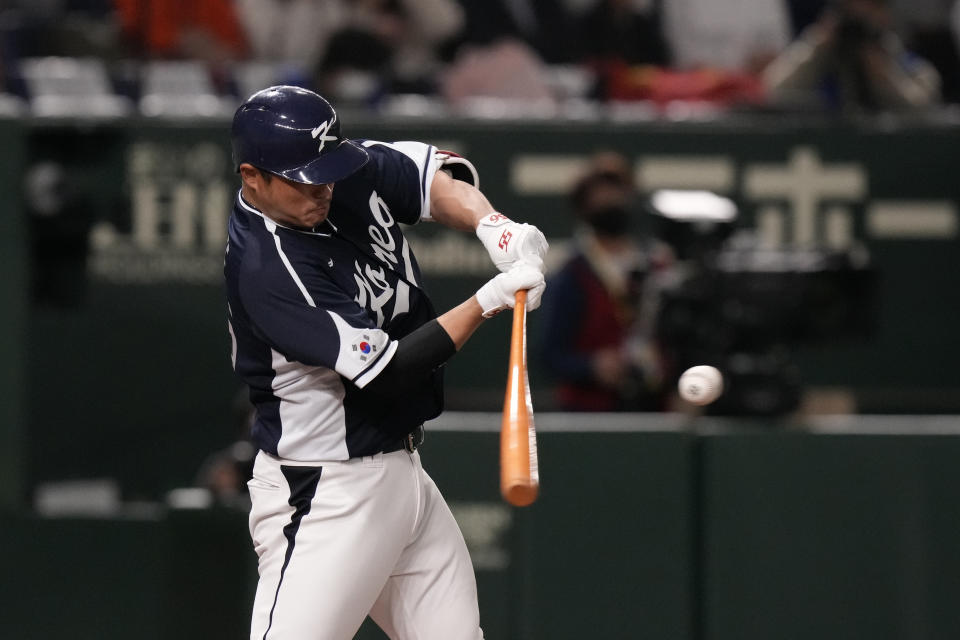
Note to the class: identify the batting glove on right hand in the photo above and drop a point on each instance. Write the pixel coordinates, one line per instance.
(500, 293)
(510, 243)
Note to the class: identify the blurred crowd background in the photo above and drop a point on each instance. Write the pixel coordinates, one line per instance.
(723, 182)
(767, 186)
(542, 57)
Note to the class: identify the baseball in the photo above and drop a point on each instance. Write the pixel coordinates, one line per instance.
(701, 384)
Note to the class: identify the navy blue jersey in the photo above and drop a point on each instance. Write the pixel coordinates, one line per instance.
(315, 315)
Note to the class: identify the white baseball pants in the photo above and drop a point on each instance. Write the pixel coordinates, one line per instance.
(339, 540)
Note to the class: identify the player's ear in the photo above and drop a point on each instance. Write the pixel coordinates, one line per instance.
(250, 175)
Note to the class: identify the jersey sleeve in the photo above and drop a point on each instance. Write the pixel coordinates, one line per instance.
(308, 319)
(405, 171)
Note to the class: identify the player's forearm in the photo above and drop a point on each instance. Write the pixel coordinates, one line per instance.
(461, 321)
(899, 85)
(417, 356)
(495, 296)
(797, 69)
(456, 204)
(419, 353)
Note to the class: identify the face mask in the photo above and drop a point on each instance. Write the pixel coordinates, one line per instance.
(609, 221)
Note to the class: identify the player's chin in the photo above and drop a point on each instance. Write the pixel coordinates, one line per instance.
(315, 216)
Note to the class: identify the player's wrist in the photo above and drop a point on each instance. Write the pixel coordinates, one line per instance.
(488, 224)
(500, 292)
(510, 243)
(490, 300)
(476, 309)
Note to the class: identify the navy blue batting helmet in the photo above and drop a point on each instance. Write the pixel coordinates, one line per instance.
(294, 133)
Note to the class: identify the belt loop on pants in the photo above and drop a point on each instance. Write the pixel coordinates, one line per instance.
(414, 439)
(410, 442)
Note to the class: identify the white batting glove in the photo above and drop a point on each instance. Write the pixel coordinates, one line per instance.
(499, 293)
(510, 243)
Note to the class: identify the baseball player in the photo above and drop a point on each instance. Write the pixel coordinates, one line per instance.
(342, 351)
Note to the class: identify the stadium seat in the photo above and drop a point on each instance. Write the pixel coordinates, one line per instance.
(250, 77)
(180, 89)
(74, 87)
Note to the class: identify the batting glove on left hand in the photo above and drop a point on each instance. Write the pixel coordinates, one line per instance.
(510, 243)
(500, 293)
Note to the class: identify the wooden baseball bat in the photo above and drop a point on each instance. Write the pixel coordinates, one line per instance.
(519, 476)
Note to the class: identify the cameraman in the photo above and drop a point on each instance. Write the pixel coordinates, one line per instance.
(851, 60)
(596, 339)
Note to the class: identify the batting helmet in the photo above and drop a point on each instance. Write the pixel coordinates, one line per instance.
(294, 133)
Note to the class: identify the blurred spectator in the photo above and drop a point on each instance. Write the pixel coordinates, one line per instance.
(735, 35)
(33, 28)
(395, 42)
(507, 69)
(716, 49)
(294, 32)
(205, 30)
(927, 31)
(955, 23)
(225, 472)
(803, 13)
(545, 25)
(595, 341)
(618, 39)
(429, 24)
(617, 30)
(852, 60)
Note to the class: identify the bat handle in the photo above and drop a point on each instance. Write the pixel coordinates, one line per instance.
(520, 301)
(519, 333)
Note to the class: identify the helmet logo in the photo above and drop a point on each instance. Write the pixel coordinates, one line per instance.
(321, 132)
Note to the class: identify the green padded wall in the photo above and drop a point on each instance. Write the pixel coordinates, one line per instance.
(13, 317)
(831, 536)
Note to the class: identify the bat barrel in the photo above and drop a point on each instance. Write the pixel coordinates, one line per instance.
(519, 481)
(521, 495)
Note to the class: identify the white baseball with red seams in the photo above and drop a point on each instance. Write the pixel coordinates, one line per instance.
(701, 385)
